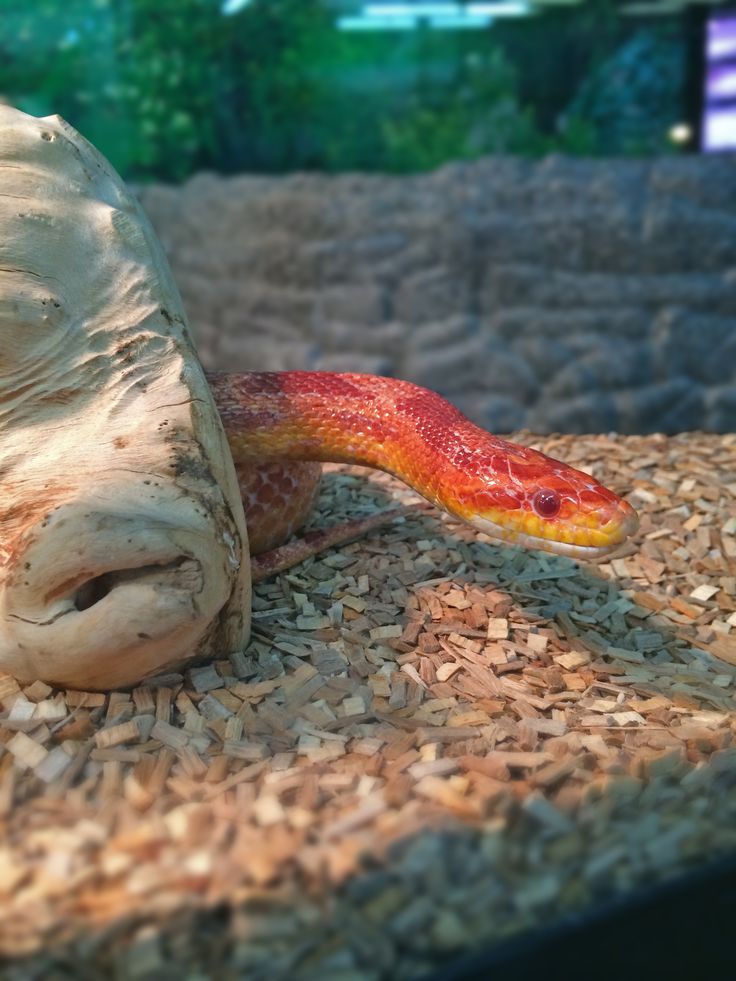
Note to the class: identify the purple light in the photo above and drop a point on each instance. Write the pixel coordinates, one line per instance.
(721, 82)
(719, 115)
(721, 41)
(719, 129)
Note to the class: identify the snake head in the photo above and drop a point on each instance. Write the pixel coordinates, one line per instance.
(524, 497)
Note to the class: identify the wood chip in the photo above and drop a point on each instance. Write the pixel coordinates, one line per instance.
(205, 678)
(498, 628)
(169, 735)
(117, 735)
(27, 752)
(558, 717)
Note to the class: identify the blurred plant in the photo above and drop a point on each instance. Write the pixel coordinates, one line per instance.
(167, 56)
(475, 114)
(118, 71)
(273, 96)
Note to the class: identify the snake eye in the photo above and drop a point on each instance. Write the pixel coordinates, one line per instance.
(546, 503)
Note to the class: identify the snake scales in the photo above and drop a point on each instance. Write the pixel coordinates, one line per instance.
(281, 425)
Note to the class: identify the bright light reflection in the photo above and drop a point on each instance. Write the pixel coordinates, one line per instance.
(390, 16)
(463, 21)
(719, 130)
(514, 8)
(721, 82)
(499, 8)
(721, 41)
(411, 10)
(680, 133)
(376, 23)
(233, 6)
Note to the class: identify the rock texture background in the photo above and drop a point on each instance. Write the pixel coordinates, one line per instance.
(559, 295)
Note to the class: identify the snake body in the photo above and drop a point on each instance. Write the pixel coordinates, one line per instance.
(280, 425)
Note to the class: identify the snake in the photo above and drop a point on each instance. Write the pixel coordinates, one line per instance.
(281, 427)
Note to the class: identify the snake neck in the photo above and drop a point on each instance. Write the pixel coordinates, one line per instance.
(506, 490)
(384, 423)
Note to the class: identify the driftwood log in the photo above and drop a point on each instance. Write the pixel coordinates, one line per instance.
(123, 548)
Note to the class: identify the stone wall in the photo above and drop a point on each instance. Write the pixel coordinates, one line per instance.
(559, 295)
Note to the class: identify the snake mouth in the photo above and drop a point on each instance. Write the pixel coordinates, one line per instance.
(511, 536)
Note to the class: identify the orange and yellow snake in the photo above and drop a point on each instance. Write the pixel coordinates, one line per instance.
(282, 425)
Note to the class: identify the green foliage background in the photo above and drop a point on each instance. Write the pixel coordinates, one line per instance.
(168, 87)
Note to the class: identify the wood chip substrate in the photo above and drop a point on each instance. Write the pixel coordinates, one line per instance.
(431, 744)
